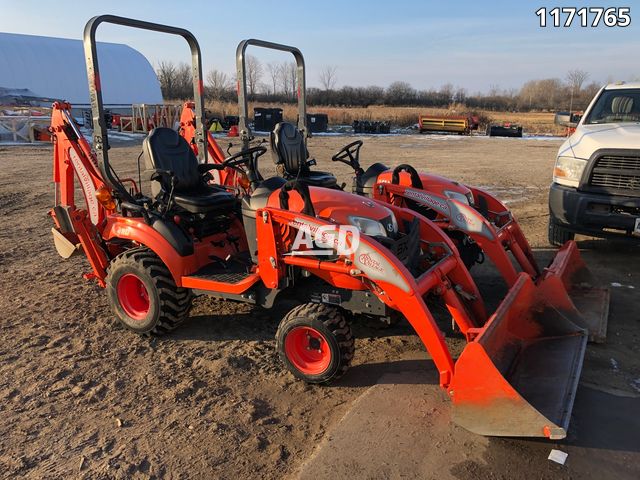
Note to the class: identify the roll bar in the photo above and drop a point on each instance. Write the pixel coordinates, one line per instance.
(245, 131)
(100, 138)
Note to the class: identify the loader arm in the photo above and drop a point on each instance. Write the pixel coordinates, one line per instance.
(377, 270)
(493, 227)
(519, 372)
(458, 216)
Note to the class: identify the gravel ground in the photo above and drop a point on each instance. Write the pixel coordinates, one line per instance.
(80, 397)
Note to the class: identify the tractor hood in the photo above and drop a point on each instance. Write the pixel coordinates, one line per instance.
(589, 138)
(337, 206)
(430, 182)
(438, 184)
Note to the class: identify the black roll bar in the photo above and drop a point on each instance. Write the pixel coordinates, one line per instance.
(100, 138)
(243, 124)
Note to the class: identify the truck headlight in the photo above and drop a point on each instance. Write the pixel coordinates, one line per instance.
(568, 171)
(368, 226)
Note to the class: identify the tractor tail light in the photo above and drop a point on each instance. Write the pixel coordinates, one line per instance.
(104, 197)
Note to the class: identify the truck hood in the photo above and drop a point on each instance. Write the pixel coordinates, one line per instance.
(589, 138)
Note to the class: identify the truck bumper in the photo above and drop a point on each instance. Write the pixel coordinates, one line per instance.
(598, 215)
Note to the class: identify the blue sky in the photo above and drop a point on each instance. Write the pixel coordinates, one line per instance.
(472, 44)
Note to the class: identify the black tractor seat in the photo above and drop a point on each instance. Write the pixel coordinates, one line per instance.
(290, 152)
(165, 150)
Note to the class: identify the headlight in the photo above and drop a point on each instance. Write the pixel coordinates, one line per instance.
(568, 171)
(390, 222)
(461, 197)
(367, 226)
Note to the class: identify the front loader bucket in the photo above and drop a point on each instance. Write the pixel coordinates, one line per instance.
(569, 274)
(519, 375)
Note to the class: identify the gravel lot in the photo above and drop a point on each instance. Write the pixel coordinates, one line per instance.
(80, 397)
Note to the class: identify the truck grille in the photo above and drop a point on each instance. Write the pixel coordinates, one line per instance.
(619, 172)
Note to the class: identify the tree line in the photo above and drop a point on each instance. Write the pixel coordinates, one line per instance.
(276, 83)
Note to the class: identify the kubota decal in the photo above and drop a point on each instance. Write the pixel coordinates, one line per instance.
(376, 267)
(88, 188)
(469, 220)
(367, 260)
(428, 200)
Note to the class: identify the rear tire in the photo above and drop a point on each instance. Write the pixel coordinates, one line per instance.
(315, 342)
(558, 235)
(143, 295)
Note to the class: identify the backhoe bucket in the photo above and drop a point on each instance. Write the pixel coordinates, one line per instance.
(568, 273)
(64, 246)
(518, 377)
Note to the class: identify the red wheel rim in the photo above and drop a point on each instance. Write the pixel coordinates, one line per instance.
(133, 296)
(308, 350)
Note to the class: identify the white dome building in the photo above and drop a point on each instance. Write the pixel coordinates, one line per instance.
(55, 68)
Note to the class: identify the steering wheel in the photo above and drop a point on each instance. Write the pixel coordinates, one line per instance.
(349, 154)
(243, 157)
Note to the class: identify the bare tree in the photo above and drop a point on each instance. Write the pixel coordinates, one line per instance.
(328, 77)
(400, 93)
(175, 80)
(576, 78)
(218, 83)
(254, 73)
(287, 74)
(460, 95)
(274, 74)
(166, 72)
(545, 93)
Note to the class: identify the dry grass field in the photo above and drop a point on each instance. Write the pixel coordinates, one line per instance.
(534, 123)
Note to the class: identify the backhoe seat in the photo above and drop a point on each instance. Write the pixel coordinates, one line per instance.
(165, 149)
(289, 151)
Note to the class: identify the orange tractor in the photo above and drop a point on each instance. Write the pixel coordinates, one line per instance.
(475, 220)
(332, 251)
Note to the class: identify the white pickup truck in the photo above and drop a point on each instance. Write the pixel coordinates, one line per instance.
(596, 178)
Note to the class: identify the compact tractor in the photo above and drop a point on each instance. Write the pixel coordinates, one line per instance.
(478, 223)
(335, 253)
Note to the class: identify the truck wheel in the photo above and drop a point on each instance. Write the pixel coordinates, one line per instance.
(143, 295)
(315, 342)
(559, 235)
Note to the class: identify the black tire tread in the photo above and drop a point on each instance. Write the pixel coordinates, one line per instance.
(335, 322)
(558, 235)
(175, 302)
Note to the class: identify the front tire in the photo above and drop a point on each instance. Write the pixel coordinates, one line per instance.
(315, 342)
(558, 235)
(143, 295)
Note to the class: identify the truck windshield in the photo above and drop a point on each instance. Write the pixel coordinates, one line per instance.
(616, 106)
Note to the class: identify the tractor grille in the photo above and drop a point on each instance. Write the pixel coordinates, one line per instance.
(618, 172)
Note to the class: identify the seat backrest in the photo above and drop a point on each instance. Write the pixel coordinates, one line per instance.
(288, 149)
(165, 149)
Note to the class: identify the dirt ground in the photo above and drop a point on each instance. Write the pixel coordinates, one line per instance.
(80, 397)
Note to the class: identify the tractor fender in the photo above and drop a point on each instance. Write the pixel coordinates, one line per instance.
(153, 238)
